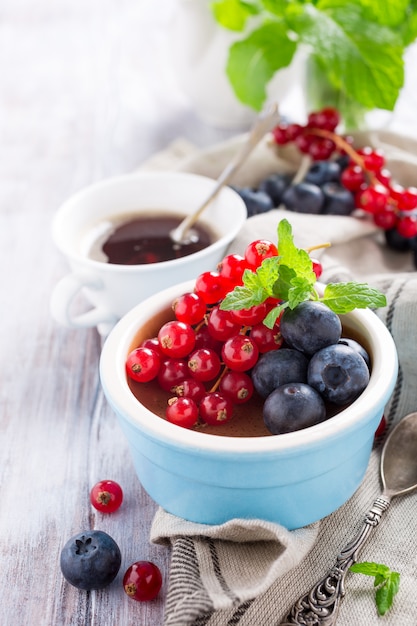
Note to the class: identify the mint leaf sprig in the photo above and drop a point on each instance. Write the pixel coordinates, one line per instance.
(386, 583)
(289, 278)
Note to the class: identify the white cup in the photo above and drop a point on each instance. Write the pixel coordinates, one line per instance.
(113, 289)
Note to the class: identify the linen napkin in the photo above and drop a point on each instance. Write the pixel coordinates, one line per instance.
(250, 572)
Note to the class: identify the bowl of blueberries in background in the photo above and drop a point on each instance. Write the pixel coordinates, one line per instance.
(238, 457)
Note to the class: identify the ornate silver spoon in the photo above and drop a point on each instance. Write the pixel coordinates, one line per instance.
(320, 606)
(263, 124)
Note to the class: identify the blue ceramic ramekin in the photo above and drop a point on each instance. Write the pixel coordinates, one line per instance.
(293, 479)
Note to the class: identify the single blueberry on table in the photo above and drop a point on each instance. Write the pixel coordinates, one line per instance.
(292, 407)
(90, 560)
(310, 326)
(278, 367)
(303, 198)
(338, 373)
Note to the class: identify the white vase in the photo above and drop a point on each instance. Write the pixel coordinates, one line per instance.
(199, 49)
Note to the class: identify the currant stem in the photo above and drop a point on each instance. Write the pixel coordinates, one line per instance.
(218, 381)
(318, 247)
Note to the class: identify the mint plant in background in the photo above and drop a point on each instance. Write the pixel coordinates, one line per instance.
(355, 49)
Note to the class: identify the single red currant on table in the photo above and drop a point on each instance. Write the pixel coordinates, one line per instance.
(142, 581)
(106, 496)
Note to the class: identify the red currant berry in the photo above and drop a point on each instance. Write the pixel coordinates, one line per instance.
(384, 177)
(232, 268)
(293, 131)
(171, 373)
(304, 141)
(248, 317)
(190, 388)
(259, 250)
(328, 119)
(240, 353)
(382, 427)
(317, 268)
(407, 226)
(266, 339)
(321, 149)
(189, 308)
(373, 199)
(203, 339)
(182, 412)
(237, 386)
(407, 200)
(279, 134)
(142, 581)
(216, 409)
(352, 177)
(151, 343)
(373, 160)
(176, 339)
(396, 192)
(204, 364)
(221, 324)
(106, 496)
(210, 286)
(143, 364)
(386, 219)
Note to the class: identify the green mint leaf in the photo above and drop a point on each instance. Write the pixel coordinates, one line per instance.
(283, 283)
(362, 58)
(384, 596)
(243, 298)
(233, 14)
(267, 274)
(262, 53)
(344, 297)
(386, 581)
(293, 257)
(300, 291)
(389, 14)
(370, 569)
(273, 315)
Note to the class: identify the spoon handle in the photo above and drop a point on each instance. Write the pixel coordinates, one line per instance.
(320, 606)
(264, 123)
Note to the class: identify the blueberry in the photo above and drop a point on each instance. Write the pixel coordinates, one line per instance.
(343, 161)
(256, 201)
(338, 373)
(303, 198)
(275, 185)
(90, 560)
(293, 407)
(337, 199)
(310, 326)
(278, 367)
(323, 172)
(397, 242)
(346, 341)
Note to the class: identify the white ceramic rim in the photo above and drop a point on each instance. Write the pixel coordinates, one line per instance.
(67, 207)
(112, 371)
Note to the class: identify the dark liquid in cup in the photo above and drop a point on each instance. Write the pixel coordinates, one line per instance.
(146, 239)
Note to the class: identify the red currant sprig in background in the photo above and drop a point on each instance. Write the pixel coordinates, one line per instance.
(390, 205)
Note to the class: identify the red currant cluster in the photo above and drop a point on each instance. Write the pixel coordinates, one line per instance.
(391, 205)
(204, 355)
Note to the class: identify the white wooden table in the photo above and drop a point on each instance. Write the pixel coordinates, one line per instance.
(84, 94)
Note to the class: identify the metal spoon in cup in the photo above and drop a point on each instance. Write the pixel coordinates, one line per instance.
(266, 121)
(320, 606)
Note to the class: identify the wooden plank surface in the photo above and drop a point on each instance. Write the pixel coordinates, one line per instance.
(84, 94)
(77, 104)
